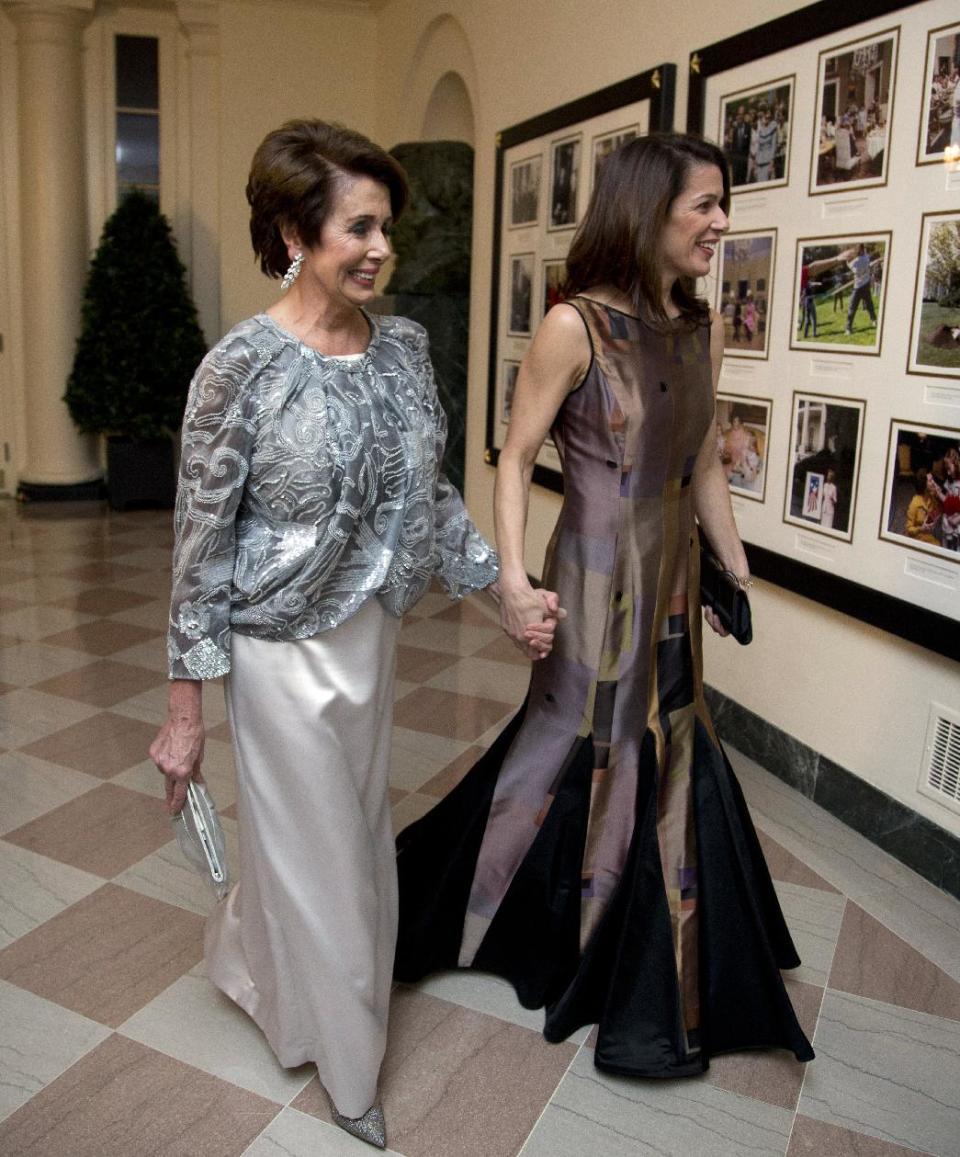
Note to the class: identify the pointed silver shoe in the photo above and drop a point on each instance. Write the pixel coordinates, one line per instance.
(371, 1127)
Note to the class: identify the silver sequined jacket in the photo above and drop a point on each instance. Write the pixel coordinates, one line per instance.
(309, 484)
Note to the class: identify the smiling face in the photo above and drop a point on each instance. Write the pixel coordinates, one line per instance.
(695, 222)
(354, 243)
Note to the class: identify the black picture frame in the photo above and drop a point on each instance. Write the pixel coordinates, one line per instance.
(657, 86)
(936, 632)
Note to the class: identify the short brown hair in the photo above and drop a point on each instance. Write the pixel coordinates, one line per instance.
(293, 179)
(618, 242)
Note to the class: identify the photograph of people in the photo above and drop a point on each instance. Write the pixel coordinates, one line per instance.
(745, 280)
(291, 590)
(509, 384)
(524, 192)
(856, 100)
(565, 171)
(935, 345)
(923, 489)
(940, 126)
(825, 462)
(840, 291)
(568, 860)
(604, 145)
(521, 293)
(553, 277)
(755, 131)
(742, 426)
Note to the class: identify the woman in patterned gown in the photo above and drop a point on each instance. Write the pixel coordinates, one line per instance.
(600, 855)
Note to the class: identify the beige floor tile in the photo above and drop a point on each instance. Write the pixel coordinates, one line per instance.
(45, 588)
(103, 637)
(194, 1022)
(502, 650)
(485, 677)
(812, 1138)
(411, 808)
(30, 787)
(218, 771)
(39, 1041)
(28, 663)
(437, 749)
(30, 714)
(151, 706)
(295, 1134)
(152, 653)
(813, 917)
(152, 558)
(101, 600)
(153, 583)
(154, 615)
(33, 888)
(464, 717)
(103, 572)
(32, 623)
(123, 1099)
(418, 664)
(474, 610)
(167, 875)
(102, 683)
(102, 745)
(448, 777)
(458, 1081)
(431, 603)
(106, 956)
(102, 831)
(871, 961)
(453, 638)
(786, 866)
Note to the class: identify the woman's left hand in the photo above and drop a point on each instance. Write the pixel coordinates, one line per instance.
(714, 621)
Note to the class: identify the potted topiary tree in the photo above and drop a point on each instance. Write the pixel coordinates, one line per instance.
(139, 345)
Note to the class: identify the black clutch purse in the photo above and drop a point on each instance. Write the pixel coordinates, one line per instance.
(720, 591)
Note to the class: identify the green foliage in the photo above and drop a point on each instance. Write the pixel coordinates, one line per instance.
(140, 340)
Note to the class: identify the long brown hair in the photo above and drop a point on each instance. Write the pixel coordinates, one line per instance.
(618, 241)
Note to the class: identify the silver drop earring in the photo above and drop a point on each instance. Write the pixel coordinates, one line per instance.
(293, 272)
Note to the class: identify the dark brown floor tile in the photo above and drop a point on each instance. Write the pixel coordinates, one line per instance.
(123, 1098)
(102, 601)
(102, 684)
(230, 812)
(5, 687)
(103, 745)
(872, 961)
(455, 1081)
(103, 831)
(103, 572)
(785, 866)
(770, 1075)
(466, 612)
(8, 604)
(447, 779)
(221, 731)
(106, 956)
(444, 713)
(817, 1139)
(418, 664)
(503, 651)
(103, 637)
(396, 795)
(9, 641)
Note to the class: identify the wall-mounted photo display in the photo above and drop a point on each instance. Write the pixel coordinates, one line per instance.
(839, 288)
(525, 192)
(940, 116)
(604, 145)
(935, 336)
(851, 138)
(743, 437)
(554, 273)
(745, 292)
(754, 132)
(921, 506)
(521, 294)
(508, 383)
(827, 435)
(564, 182)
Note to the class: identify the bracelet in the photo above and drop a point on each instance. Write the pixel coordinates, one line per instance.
(743, 583)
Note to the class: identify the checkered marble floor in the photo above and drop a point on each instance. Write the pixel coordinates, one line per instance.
(113, 1042)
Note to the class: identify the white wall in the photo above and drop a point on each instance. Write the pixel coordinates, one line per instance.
(855, 694)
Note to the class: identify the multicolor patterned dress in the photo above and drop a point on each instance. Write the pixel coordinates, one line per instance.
(600, 855)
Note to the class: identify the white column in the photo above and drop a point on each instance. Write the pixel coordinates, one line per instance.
(200, 20)
(54, 235)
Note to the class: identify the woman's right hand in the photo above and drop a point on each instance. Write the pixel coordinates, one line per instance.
(529, 616)
(178, 748)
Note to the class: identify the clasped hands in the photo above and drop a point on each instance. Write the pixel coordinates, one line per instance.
(529, 616)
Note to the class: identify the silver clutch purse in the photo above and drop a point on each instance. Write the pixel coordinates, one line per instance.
(200, 837)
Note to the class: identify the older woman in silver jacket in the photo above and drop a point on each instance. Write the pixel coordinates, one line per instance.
(311, 513)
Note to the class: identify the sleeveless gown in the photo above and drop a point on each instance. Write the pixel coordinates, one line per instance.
(600, 855)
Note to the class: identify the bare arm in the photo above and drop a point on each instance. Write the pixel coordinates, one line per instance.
(556, 362)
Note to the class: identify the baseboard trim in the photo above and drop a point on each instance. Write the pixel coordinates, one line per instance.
(909, 837)
(61, 492)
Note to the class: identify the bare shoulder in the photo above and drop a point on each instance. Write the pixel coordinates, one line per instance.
(562, 339)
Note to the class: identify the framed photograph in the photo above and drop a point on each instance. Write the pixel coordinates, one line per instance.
(564, 182)
(525, 192)
(605, 144)
(754, 131)
(743, 438)
(544, 170)
(935, 335)
(521, 294)
(839, 288)
(855, 83)
(553, 274)
(921, 506)
(509, 382)
(824, 463)
(745, 292)
(940, 115)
